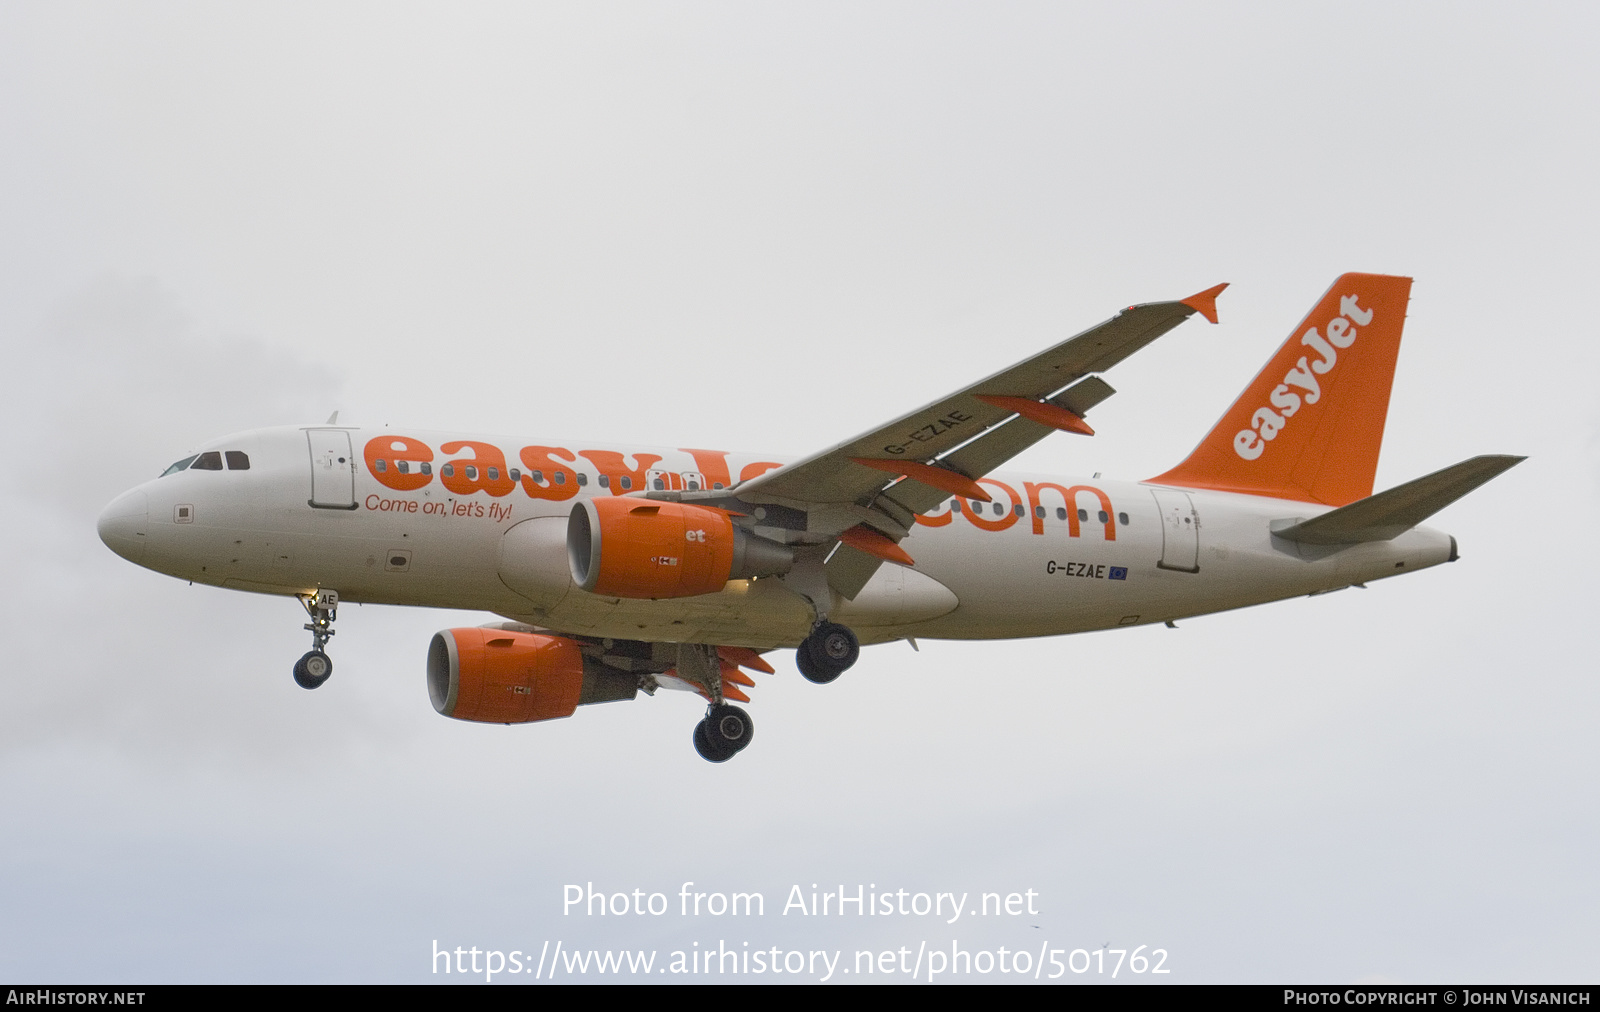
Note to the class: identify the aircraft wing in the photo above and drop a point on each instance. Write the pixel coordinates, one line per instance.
(942, 447)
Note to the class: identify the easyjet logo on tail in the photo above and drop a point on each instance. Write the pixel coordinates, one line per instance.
(1300, 385)
(1319, 401)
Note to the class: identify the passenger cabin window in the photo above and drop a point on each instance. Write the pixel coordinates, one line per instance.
(237, 460)
(1018, 510)
(999, 510)
(1122, 518)
(514, 474)
(627, 483)
(561, 477)
(1038, 511)
(583, 479)
(1083, 515)
(1104, 517)
(448, 471)
(494, 474)
(179, 466)
(403, 466)
(427, 468)
(537, 476)
(605, 482)
(472, 473)
(211, 460)
(380, 465)
(1061, 513)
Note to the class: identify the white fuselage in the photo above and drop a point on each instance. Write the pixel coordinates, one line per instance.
(299, 518)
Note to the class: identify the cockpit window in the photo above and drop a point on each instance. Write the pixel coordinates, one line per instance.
(238, 460)
(211, 460)
(179, 466)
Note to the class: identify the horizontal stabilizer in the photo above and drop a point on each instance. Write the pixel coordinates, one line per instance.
(1390, 514)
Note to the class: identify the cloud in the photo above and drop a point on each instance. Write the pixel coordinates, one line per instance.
(119, 380)
(114, 383)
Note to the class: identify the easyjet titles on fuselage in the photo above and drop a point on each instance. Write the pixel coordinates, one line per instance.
(406, 464)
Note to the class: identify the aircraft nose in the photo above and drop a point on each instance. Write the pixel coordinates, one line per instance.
(124, 524)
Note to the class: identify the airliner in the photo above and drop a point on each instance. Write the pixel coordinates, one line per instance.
(618, 570)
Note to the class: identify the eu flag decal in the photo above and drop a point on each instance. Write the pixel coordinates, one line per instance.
(1118, 573)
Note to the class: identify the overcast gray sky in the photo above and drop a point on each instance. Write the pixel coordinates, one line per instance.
(768, 227)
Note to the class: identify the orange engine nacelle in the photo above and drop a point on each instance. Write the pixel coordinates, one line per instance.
(627, 547)
(501, 677)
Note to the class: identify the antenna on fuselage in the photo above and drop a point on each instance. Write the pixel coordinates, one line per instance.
(333, 419)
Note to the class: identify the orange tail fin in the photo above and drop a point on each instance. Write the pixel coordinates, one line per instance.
(1310, 425)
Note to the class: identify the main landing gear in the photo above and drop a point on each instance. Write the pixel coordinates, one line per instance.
(725, 731)
(316, 666)
(827, 653)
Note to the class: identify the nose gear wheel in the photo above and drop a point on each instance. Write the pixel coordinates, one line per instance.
(313, 669)
(316, 667)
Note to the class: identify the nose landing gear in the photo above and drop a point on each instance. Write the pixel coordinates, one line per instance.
(316, 666)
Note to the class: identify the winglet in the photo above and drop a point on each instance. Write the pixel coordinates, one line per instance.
(1205, 303)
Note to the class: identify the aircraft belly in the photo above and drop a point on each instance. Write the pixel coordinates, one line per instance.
(896, 596)
(752, 613)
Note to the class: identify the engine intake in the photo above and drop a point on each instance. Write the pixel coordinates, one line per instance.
(636, 548)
